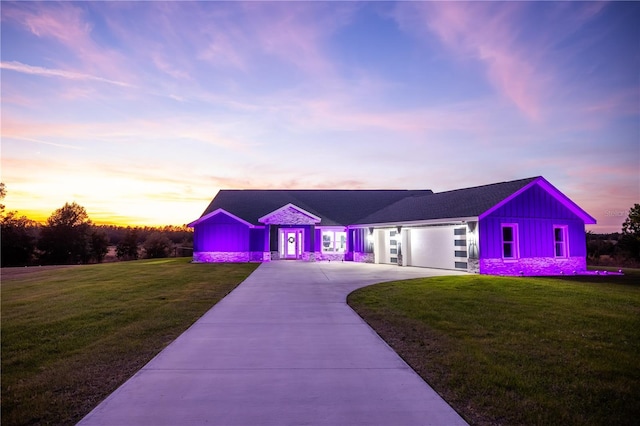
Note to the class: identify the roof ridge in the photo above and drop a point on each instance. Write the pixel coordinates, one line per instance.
(328, 190)
(528, 180)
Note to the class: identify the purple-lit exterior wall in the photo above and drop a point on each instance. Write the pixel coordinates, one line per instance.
(362, 247)
(221, 233)
(359, 248)
(223, 239)
(535, 212)
(306, 236)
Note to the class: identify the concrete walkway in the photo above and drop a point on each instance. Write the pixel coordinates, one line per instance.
(283, 348)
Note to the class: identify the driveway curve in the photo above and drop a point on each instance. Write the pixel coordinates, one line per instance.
(283, 348)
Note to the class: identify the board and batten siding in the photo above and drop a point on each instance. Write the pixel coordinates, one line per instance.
(221, 233)
(535, 211)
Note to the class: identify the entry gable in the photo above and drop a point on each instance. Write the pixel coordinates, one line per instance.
(224, 214)
(290, 214)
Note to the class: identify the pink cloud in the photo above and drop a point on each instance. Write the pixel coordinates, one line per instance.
(64, 23)
(345, 112)
(486, 32)
(68, 25)
(623, 102)
(233, 35)
(51, 72)
(303, 182)
(296, 32)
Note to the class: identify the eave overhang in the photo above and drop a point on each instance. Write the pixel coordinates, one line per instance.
(416, 223)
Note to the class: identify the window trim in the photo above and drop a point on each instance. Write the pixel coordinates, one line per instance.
(515, 243)
(334, 240)
(565, 241)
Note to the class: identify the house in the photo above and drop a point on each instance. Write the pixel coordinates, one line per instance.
(521, 227)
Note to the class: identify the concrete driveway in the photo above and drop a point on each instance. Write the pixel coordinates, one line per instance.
(283, 348)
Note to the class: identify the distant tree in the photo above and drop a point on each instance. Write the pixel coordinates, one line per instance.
(631, 225)
(18, 239)
(3, 193)
(65, 239)
(599, 245)
(127, 248)
(157, 245)
(99, 244)
(629, 243)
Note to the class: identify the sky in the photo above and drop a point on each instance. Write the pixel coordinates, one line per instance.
(141, 111)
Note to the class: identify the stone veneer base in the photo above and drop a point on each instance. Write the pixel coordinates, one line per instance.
(363, 257)
(533, 266)
(473, 266)
(330, 257)
(230, 257)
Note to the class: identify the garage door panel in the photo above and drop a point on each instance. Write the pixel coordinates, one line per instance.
(432, 247)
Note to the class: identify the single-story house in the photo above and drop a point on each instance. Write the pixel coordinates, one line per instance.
(522, 227)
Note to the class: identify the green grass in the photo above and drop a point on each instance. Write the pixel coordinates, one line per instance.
(71, 336)
(509, 350)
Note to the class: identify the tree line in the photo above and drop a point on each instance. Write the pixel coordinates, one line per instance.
(70, 237)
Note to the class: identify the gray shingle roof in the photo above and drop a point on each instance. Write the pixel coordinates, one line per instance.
(335, 207)
(459, 203)
(353, 207)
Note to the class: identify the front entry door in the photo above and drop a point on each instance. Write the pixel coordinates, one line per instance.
(290, 243)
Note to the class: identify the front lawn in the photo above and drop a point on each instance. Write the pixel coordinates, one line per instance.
(72, 335)
(510, 350)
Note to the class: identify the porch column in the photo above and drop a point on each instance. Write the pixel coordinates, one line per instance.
(404, 237)
(266, 256)
(400, 241)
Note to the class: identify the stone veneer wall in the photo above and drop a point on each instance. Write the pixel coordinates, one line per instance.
(260, 256)
(229, 257)
(473, 266)
(309, 257)
(330, 257)
(533, 266)
(221, 256)
(363, 257)
(289, 216)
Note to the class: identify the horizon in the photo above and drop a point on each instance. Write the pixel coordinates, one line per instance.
(140, 112)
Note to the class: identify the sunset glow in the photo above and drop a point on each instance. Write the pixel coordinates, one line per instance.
(142, 111)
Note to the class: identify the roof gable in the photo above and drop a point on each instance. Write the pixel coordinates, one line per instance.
(217, 212)
(333, 207)
(552, 191)
(290, 215)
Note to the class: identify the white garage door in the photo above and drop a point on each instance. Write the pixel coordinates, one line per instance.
(432, 247)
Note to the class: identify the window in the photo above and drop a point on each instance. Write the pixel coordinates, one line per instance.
(510, 241)
(560, 241)
(334, 241)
